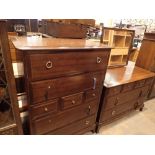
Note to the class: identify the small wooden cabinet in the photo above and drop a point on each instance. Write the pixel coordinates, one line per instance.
(146, 56)
(64, 82)
(121, 42)
(10, 123)
(125, 89)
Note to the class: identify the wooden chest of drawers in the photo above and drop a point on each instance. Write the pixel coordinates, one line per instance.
(64, 80)
(125, 89)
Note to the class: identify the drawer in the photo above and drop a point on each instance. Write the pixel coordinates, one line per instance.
(50, 122)
(93, 94)
(149, 81)
(44, 66)
(114, 90)
(75, 127)
(114, 112)
(49, 89)
(140, 83)
(111, 102)
(128, 87)
(72, 100)
(44, 108)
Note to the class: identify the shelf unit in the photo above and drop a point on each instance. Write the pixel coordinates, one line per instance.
(121, 42)
(10, 122)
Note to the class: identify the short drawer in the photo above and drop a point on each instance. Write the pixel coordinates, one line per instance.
(93, 94)
(44, 66)
(140, 83)
(49, 89)
(122, 98)
(114, 90)
(72, 100)
(76, 126)
(114, 112)
(44, 108)
(149, 81)
(127, 87)
(50, 122)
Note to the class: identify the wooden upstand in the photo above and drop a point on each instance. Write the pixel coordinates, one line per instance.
(64, 79)
(125, 89)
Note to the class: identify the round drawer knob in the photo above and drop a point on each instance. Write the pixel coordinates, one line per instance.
(49, 121)
(113, 112)
(94, 94)
(46, 109)
(49, 87)
(87, 122)
(49, 64)
(73, 102)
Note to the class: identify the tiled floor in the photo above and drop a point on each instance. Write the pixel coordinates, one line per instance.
(135, 123)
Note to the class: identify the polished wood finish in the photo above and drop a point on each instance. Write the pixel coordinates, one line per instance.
(125, 89)
(12, 124)
(146, 57)
(64, 82)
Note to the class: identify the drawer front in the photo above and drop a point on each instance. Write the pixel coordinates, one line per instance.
(44, 66)
(72, 100)
(75, 127)
(49, 123)
(149, 81)
(128, 87)
(114, 90)
(93, 94)
(111, 102)
(140, 83)
(43, 109)
(49, 89)
(114, 112)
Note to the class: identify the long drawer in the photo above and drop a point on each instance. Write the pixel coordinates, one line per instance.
(121, 98)
(49, 89)
(44, 66)
(50, 122)
(76, 126)
(114, 112)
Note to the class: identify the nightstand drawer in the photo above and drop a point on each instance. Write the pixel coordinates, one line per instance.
(72, 100)
(50, 89)
(44, 66)
(44, 108)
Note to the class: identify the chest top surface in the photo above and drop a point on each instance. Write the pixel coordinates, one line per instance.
(126, 74)
(36, 43)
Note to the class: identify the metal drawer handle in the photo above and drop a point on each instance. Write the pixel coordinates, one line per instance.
(49, 64)
(98, 60)
(73, 102)
(87, 122)
(94, 94)
(46, 109)
(94, 86)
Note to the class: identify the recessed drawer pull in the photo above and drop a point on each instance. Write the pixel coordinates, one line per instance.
(113, 112)
(94, 86)
(73, 102)
(87, 122)
(46, 109)
(49, 64)
(99, 60)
